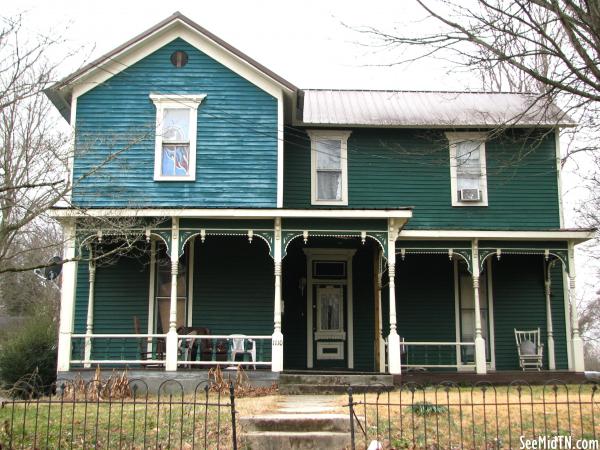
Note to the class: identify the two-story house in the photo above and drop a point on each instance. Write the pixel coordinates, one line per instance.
(371, 231)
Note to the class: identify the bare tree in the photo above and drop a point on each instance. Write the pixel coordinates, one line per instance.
(36, 150)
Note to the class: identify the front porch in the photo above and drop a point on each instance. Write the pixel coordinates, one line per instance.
(321, 294)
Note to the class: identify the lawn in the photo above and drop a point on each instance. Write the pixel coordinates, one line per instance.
(480, 417)
(420, 418)
(124, 423)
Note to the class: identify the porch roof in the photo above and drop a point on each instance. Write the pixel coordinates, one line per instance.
(232, 213)
(577, 235)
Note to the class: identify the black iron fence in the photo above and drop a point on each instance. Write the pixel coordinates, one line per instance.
(120, 413)
(482, 416)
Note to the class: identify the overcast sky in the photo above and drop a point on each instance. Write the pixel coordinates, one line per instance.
(313, 44)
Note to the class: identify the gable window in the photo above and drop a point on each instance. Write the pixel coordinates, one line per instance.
(175, 144)
(468, 169)
(329, 166)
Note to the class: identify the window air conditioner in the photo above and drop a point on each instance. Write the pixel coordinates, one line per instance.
(469, 195)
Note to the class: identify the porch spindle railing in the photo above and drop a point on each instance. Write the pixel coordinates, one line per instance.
(121, 349)
(149, 350)
(206, 350)
(426, 355)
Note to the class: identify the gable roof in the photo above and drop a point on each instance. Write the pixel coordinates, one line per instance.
(329, 107)
(60, 93)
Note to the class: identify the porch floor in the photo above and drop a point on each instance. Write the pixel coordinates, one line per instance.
(493, 377)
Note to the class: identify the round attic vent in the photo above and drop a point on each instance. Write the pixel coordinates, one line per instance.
(179, 58)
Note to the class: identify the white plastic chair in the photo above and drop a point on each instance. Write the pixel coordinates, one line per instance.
(184, 346)
(241, 345)
(530, 349)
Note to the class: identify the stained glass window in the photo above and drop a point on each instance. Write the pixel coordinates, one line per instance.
(175, 159)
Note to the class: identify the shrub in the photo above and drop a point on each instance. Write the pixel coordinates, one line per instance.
(427, 409)
(28, 356)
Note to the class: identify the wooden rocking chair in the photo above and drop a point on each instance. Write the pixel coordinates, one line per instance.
(146, 355)
(530, 349)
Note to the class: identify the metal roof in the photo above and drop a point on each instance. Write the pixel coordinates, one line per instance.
(428, 109)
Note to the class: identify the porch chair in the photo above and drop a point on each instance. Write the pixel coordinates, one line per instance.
(186, 348)
(529, 348)
(146, 355)
(241, 345)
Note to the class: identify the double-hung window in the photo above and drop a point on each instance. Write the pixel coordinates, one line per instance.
(329, 162)
(175, 144)
(468, 169)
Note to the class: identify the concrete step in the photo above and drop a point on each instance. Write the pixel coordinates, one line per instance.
(304, 388)
(335, 379)
(296, 422)
(288, 440)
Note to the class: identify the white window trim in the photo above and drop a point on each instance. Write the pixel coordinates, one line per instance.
(329, 134)
(173, 101)
(454, 138)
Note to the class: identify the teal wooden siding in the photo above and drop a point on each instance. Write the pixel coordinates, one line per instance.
(363, 308)
(425, 303)
(234, 288)
(425, 307)
(294, 314)
(236, 162)
(519, 302)
(394, 168)
(121, 292)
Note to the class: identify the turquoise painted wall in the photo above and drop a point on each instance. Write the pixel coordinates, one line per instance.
(519, 302)
(236, 161)
(392, 168)
(121, 292)
(234, 288)
(425, 303)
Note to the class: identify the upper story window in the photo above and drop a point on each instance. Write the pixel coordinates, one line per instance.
(468, 176)
(175, 145)
(329, 167)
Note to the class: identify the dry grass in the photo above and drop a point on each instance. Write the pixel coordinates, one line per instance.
(478, 418)
(423, 418)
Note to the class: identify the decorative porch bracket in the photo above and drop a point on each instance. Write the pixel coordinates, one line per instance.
(204, 233)
(289, 235)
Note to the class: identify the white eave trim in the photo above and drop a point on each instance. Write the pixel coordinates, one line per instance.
(580, 236)
(224, 213)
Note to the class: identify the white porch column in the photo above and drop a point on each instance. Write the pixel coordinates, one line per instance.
(480, 363)
(277, 337)
(89, 324)
(549, 325)
(171, 353)
(67, 298)
(578, 360)
(393, 338)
